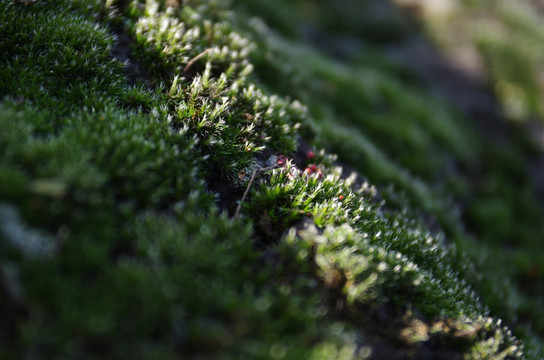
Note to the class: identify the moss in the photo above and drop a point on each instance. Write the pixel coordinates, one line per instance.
(117, 225)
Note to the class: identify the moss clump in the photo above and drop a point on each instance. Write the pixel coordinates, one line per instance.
(117, 225)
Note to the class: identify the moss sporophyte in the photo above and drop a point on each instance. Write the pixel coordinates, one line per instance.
(175, 200)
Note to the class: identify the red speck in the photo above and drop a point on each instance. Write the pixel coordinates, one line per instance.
(308, 171)
(310, 154)
(312, 167)
(308, 214)
(282, 160)
(319, 174)
(341, 197)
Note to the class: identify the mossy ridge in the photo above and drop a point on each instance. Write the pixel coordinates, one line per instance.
(299, 315)
(167, 21)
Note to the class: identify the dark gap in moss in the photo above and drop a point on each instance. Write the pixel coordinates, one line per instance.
(122, 51)
(13, 311)
(227, 195)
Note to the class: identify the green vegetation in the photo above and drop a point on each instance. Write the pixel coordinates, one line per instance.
(120, 185)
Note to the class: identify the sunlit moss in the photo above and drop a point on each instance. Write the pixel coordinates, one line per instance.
(131, 186)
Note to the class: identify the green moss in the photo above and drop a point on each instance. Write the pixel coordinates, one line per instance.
(115, 197)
